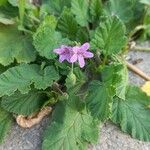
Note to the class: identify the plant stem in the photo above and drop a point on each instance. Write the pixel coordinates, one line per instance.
(141, 48)
(140, 27)
(104, 60)
(72, 68)
(138, 71)
(55, 86)
(21, 11)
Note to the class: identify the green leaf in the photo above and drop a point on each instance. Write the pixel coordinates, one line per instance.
(82, 35)
(70, 80)
(24, 104)
(111, 74)
(132, 114)
(107, 35)
(80, 10)
(75, 80)
(6, 17)
(55, 6)
(13, 2)
(67, 25)
(3, 2)
(70, 129)
(5, 123)
(122, 9)
(22, 76)
(129, 11)
(147, 2)
(95, 10)
(99, 100)
(46, 39)
(121, 86)
(19, 48)
(146, 23)
(6, 21)
(7, 11)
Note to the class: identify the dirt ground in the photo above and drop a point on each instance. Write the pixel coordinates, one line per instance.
(111, 138)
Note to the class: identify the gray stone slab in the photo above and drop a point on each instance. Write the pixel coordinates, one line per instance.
(111, 138)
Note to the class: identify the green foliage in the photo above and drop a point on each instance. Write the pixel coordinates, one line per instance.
(46, 39)
(129, 11)
(123, 9)
(99, 100)
(22, 76)
(132, 114)
(31, 76)
(3, 2)
(75, 80)
(68, 28)
(5, 123)
(147, 2)
(122, 85)
(19, 48)
(23, 104)
(107, 35)
(96, 10)
(80, 10)
(146, 23)
(70, 129)
(111, 74)
(82, 35)
(54, 6)
(8, 11)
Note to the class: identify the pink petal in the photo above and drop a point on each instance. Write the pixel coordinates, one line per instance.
(85, 46)
(68, 57)
(58, 51)
(73, 58)
(81, 61)
(88, 55)
(62, 58)
(75, 49)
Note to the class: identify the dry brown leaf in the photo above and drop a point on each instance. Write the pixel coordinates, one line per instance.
(28, 122)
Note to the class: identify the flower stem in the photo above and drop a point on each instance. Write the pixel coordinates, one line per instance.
(72, 67)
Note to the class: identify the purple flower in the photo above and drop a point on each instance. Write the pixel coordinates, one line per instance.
(74, 54)
(64, 53)
(79, 53)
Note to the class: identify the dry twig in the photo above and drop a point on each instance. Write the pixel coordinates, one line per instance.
(138, 71)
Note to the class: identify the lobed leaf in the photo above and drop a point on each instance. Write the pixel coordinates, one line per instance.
(19, 48)
(121, 86)
(99, 100)
(46, 39)
(23, 104)
(132, 114)
(67, 25)
(22, 76)
(95, 10)
(80, 9)
(110, 36)
(55, 6)
(129, 11)
(5, 123)
(70, 129)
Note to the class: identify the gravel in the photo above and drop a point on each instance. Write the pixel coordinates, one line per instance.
(111, 138)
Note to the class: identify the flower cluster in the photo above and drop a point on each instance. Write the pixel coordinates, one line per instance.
(74, 54)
